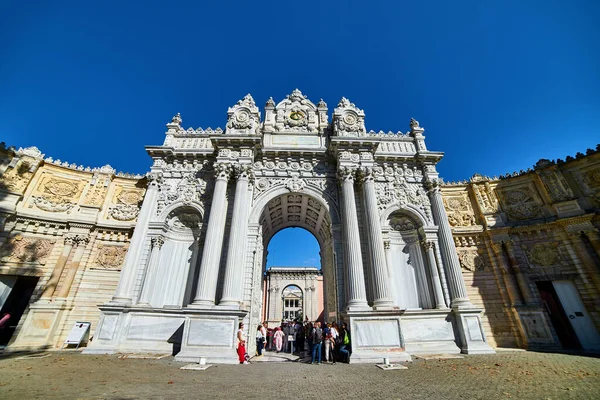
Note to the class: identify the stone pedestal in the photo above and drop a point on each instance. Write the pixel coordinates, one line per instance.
(210, 334)
(429, 332)
(376, 335)
(39, 329)
(470, 331)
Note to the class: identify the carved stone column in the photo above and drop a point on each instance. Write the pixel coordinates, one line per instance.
(435, 277)
(521, 281)
(129, 271)
(80, 242)
(382, 298)
(458, 289)
(52, 284)
(211, 253)
(357, 296)
(234, 271)
(151, 271)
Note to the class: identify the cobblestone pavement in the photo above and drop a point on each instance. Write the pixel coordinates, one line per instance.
(517, 375)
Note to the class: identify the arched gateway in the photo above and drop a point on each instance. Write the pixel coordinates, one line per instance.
(215, 198)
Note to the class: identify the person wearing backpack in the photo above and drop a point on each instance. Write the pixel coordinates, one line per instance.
(317, 339)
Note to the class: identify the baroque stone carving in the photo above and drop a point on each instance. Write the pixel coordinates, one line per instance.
(471, 260)
(110, 257)
(402, 224)
(556, 185)
(348, 120)
(486, 198)
(16, 179)
(127, 205)
(243, 117)
(521, 204)
(57, 195)
(22, 249)
(543, 254)
(459, 210)
(402, 193)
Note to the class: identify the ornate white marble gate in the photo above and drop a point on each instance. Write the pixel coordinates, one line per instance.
(215, 198)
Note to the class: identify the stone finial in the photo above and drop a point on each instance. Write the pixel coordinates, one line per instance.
(296, 95)
(176, 120)
(247, 101)
(414, 123)
(270, 102)
(321, 104)
(344, 102)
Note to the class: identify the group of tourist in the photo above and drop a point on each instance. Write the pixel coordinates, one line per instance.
(328, 341)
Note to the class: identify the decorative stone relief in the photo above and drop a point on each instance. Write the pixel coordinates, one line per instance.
(459, 210)
(186, 190)
(486, 198)
(243, 117)
(57, 195)
(402, 224)
(521, 203)
(110, 257)
(26, 250)
(97, 191)
(589, 180)
(126, 204)
(348, 120)
(402, 193)
(556, 185)
(17, 178)
(543, 254)
(471, 261)
(294, 114)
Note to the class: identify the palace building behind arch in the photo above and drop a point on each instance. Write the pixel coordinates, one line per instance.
(173, 261)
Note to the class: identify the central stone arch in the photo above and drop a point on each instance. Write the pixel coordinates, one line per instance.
(281, 208)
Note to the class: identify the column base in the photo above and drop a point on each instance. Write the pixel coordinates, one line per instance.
(358, 306)
(201, 304)
(383, 305)
(229, 305)
(470, 331)
(461, 303)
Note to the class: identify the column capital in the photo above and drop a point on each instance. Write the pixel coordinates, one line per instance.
(70, 239)
(427, 245)
(346, 173)
(154, 178)
(81, 240)
(365, 175)
(222, 171)
(157, 241)
(243, 172)
(432, 186)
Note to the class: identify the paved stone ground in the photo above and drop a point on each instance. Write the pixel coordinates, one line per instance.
(517, 375)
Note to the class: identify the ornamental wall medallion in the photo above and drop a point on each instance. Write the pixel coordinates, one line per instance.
(521, 204)
(110, 257)
(459, 210)
(543, 254)
(22, 249)
(57, 195)
(471, 260)
(126, 204)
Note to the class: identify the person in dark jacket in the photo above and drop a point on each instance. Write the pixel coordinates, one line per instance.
(345, 345)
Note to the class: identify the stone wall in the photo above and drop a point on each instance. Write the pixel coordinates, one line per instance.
(512, 232)
(69, 226)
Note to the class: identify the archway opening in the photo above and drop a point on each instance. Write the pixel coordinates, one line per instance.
(298, 251)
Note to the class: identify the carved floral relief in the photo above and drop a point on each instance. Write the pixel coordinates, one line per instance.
(459, 210)
(57, 194)
(110, 257)
(543, 254)
(126, 203)
(521, 203)
(471, 260)
(26, 250)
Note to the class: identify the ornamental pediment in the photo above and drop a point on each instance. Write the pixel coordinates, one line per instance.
(295, 114)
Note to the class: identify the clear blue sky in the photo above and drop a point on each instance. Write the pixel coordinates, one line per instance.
(293, 247)
(496, 84)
